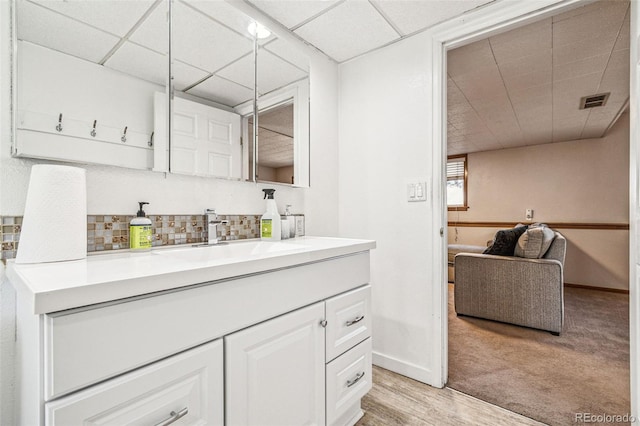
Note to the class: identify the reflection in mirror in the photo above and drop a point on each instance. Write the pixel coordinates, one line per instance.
(213, 73)
(275, 148)
(87, 73)
(214, 70)
(283, 118)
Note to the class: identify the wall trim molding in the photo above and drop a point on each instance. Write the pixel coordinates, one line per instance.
(405, 368)
(555, 225)
(590, 287)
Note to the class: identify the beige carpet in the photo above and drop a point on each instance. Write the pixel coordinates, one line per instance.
(545, 377)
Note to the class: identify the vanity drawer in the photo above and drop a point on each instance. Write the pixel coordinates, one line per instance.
(348, 320)
(349, 378)
(189, 385)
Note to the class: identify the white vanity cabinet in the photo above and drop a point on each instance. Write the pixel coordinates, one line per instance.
(278, 372)
(281, 338)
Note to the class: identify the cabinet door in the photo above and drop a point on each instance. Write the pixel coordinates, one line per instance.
(275, 371)
(186, 388)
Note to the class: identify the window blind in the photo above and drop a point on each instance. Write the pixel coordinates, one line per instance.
(455, 169)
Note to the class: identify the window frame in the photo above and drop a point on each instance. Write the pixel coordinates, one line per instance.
(464, 206)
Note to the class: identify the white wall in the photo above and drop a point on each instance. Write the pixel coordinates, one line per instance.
(583, 181)
(115, 190)
(385, 131)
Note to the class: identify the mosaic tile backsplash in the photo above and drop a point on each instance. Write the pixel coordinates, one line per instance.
(111, 232)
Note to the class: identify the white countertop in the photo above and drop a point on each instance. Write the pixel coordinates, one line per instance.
(51, 287)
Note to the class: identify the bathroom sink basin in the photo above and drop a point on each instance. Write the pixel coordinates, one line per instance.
(221, 252)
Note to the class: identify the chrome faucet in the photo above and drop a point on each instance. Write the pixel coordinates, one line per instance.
(212, 226)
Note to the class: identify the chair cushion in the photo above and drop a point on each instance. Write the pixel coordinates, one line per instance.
(534, 243)
(505, 240)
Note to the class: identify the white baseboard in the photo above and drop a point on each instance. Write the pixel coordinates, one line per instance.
(405, 368)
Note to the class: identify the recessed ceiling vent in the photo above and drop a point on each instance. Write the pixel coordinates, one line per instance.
(594, 101)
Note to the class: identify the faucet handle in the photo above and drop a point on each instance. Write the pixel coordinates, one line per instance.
(211, 211)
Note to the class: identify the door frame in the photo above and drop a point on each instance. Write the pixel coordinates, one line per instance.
(493, 19)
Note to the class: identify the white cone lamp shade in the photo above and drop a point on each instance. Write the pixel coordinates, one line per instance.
(54, 227)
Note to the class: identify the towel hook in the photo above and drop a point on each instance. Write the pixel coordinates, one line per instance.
(93, 131)
(59, 126)
(124, 135)
(150, 143)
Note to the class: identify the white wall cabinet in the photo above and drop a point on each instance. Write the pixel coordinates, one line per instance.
(219, 352)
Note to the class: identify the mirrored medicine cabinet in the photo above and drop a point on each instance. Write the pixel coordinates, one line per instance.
(95, 83)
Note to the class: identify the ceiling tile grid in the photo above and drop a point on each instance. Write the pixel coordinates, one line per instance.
(347, 30)
(41, 26)
(526, 84)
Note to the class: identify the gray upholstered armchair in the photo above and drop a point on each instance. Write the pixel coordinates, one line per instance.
(526, 292)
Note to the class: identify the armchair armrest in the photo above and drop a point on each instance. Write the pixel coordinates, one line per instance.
(516, 290)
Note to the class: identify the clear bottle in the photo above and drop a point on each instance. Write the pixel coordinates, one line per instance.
(291, 220)
(140, 231)
(270, 223)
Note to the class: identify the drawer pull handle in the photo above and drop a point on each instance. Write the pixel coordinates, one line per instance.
(355, 321)
(355, 380)
(173, 417)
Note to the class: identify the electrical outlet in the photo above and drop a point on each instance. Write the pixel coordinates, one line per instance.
(529, 214)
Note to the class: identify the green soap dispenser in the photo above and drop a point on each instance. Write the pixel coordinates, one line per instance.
(270, 222)
(140, 231)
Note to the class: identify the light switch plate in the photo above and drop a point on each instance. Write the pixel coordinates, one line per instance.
(417, 191)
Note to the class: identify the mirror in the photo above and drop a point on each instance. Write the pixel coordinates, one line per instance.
(87, 74)
(283, 118)
(104, 95)
(212, 68)
(212, 111)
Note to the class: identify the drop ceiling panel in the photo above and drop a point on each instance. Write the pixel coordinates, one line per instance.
(204, 43)
(526, 81)
(602, 23)
(222, 91)
(582, 49)
(184, 75)
(291, 13)
(569, 71)
(581, 10)
(468, 59)
(278, 120)
(115, 17)
(485, 86)
(339, 32)
(289, 53)
(274, 73)
(153, 32)
(522, 41)
(50, 29)
(223, 13)
(623, 37)
(140, 62)
(411, 16)
(540, 61)
(240, 72)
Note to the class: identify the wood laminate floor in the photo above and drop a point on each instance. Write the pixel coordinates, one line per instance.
(398, 400)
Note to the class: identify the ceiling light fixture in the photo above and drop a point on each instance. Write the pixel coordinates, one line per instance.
(258, 30)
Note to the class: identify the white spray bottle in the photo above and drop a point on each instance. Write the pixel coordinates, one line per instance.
(270, 226)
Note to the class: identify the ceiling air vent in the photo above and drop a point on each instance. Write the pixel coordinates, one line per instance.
(594, 101)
